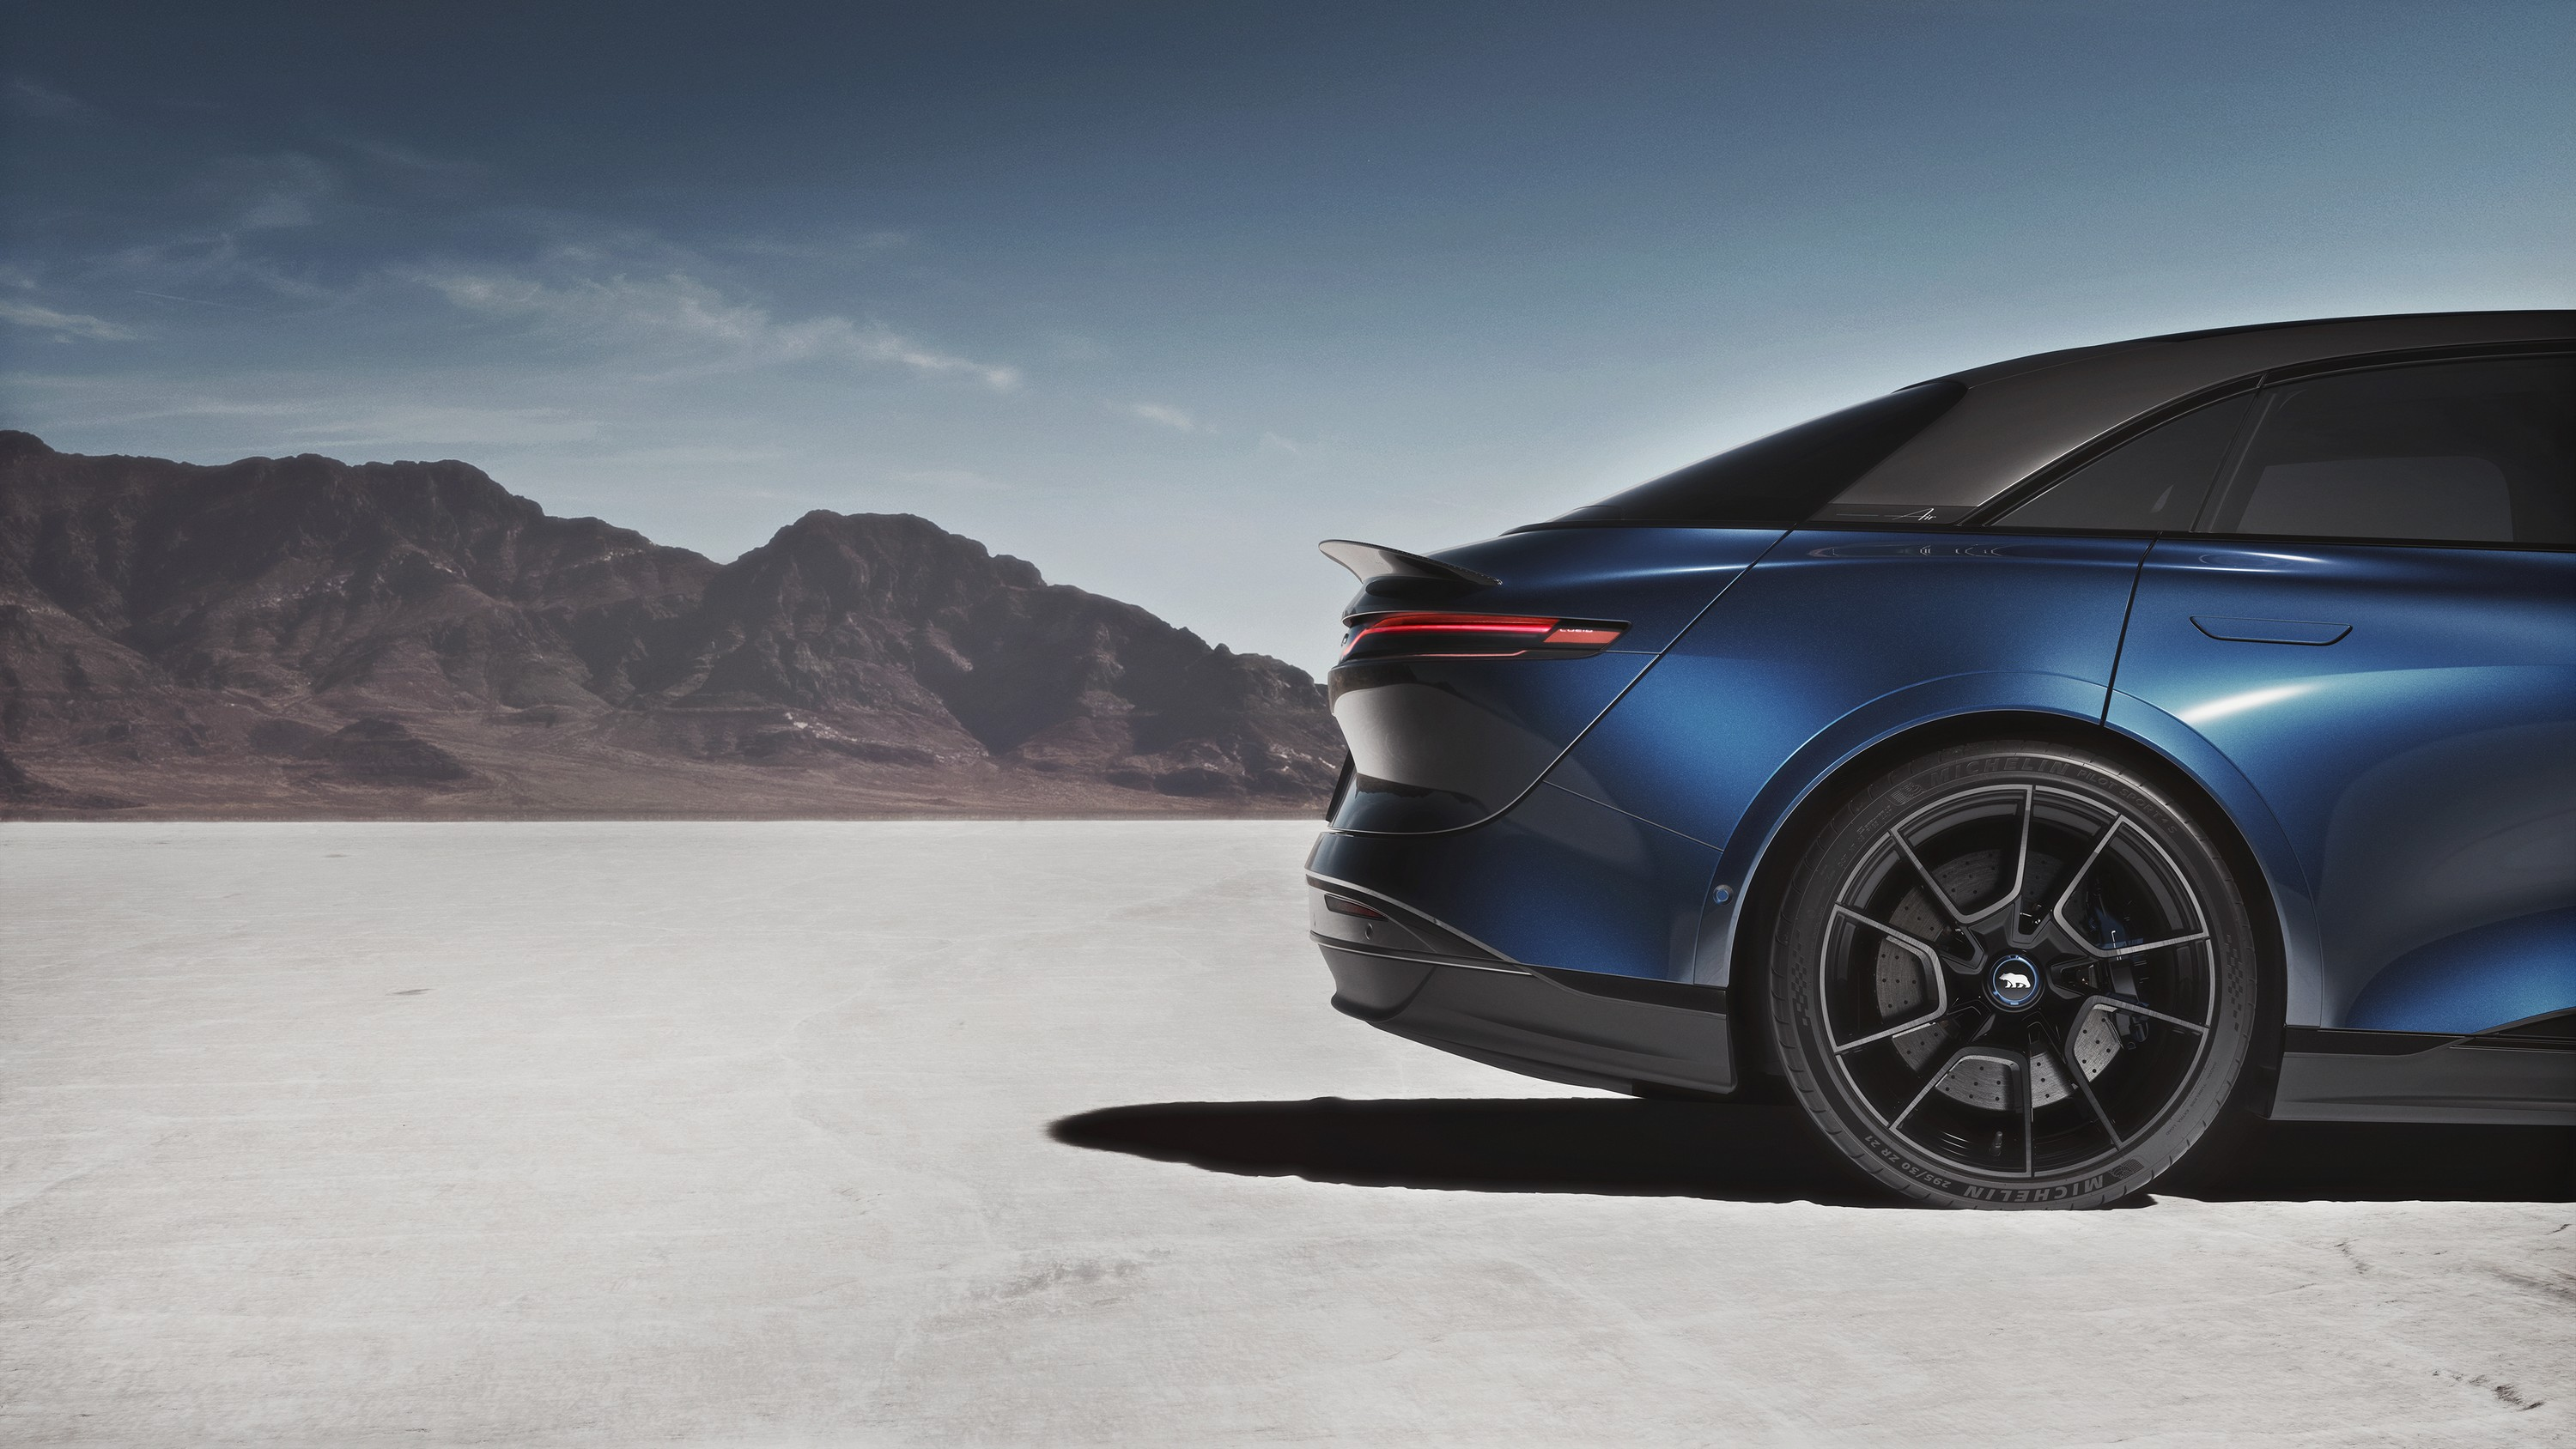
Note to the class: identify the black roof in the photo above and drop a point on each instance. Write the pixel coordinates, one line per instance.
(2019, 416)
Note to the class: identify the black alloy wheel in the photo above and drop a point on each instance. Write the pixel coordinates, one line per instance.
(2012, 975)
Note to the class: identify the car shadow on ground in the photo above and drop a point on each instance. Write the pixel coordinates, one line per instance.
(1748, 1153)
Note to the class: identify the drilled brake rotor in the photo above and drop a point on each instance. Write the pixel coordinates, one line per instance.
(1976, 1082)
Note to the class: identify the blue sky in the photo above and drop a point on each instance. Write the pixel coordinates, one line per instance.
(1157, 295)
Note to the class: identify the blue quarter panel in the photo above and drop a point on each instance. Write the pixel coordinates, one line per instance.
(1836, 639)
(1557, 880)
(2421, 767)
(2293, 898)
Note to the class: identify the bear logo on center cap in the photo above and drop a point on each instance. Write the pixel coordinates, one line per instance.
(2014, 983)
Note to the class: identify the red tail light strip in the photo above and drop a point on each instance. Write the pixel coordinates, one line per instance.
(1487, 634)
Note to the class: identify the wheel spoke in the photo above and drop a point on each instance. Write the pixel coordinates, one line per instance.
(2029, 1111)
(2074, 1070)
(2021, 852)
(1951, 1063)
(1921, 951)
(1900, 1029)
(2122, 1003)
(2075, 878)
(2021, 862)
(1915, 944)
(2083, 940)
(1940, 896)
(2113, 953)
(1953, 1012)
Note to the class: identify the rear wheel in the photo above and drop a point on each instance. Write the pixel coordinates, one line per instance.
(2012, 975)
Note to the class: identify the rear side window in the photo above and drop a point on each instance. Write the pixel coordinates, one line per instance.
(1787, 477)
(2154, 483)
(2454, 452)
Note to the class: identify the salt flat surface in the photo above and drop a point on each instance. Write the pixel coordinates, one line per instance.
(739, 1134)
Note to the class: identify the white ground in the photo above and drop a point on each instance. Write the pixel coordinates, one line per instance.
(344, 1135)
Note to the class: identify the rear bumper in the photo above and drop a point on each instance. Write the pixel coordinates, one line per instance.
(1578, 1027)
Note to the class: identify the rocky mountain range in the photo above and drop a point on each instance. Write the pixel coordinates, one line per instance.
(300, 637)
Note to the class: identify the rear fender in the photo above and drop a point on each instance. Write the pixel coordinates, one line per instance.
(1957, 703)
(1748, 833)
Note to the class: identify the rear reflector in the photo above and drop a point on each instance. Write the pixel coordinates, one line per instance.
(1584, 636)
(1342, 906)
(1456, 635)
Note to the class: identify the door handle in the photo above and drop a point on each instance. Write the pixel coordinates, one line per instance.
(2270, 631)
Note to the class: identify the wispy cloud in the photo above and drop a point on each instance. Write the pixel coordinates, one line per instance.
(695, 455)
(857, 243)
(677, 309)
(213, 260)
(416, 424)
(950, 479)
(193, 301)
(1273, 443)
(268, 193)
(35, 100)
(1160, 415)
(297, 414)
(446, 172)
(64, 325)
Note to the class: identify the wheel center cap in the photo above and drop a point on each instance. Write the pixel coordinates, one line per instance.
(2013, 982)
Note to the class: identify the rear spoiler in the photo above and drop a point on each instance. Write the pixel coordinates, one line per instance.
(1371, 562)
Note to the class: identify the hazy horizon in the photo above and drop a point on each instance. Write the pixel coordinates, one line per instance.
(1156, 295)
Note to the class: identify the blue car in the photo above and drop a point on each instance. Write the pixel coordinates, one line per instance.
(2038, 775)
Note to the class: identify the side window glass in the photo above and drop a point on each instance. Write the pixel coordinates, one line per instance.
(2453, 452)
(1784, 478)
(2155, 482)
